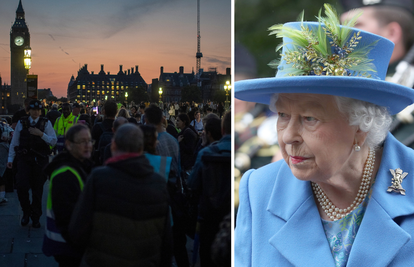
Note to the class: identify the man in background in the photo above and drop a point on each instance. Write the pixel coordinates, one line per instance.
(391, 19)
(394, 20)
(122, 216)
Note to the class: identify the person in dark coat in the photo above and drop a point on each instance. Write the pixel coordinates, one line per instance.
(110, 109)
(187, 139)
(53, 114)
(122, 216)
(67, 173)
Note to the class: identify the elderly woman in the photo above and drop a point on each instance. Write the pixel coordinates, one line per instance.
(343, 195)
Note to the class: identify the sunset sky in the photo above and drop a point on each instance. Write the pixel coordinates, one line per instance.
(65, 35)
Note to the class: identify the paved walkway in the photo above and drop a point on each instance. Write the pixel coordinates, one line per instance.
(21, 246)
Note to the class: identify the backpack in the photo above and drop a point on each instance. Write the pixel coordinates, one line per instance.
(216, 180)
(6, 132)
(105, 139)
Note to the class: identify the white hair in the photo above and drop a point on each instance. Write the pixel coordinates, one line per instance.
(370, 118)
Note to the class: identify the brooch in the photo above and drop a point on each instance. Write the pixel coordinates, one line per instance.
(397, 179)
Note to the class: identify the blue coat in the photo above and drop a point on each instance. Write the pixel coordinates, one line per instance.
(278, 223)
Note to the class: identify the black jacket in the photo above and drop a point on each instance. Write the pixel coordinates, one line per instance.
(52, 115)
(122, 216)
(187, 146)
(66, 189)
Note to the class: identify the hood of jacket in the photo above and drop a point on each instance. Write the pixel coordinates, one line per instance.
(132, 165)
(65, 158)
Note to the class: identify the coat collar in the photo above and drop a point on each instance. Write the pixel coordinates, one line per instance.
(303, 234)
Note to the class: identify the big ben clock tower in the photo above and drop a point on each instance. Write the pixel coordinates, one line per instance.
(19, 39)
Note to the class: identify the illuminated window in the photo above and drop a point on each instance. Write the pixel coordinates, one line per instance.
(117, 87)
(103, 92)
(93, 83)
(112, 92)
(117, 93)
(8, 94)
(89, 91)
(107, 92)
(112, 87)
(78, 86)
(97, 92)
(122, 88)
(78, 96)
(83, 86)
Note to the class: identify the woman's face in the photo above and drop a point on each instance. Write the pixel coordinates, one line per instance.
(315, 138)
(81, 147)
(197, 116)
(180, 124)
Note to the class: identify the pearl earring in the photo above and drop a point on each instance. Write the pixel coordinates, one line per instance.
(357, 147)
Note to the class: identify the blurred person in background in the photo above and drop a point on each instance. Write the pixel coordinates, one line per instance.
(394, 20)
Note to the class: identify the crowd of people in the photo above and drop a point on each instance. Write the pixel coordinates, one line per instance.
(127, 187)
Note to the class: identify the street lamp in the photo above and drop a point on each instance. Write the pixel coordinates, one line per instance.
(227, 88)
(27, 58)
(160, 92)
(126, 99)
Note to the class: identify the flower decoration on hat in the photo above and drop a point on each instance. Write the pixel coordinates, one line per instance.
(326, 50)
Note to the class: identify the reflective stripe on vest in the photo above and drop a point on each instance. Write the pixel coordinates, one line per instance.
(56, 236)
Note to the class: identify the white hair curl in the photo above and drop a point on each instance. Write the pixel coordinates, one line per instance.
(370, 118)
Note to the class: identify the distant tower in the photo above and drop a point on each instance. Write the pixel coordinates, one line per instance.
(19, 39)
(199, 55)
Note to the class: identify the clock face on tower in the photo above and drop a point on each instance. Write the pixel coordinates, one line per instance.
(19, 41)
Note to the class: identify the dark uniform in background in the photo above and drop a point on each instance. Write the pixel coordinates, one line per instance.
(30, 149)
(392, 19)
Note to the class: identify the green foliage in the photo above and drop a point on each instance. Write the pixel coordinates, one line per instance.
(135, 94)
(220, 96)
(252, 18)
(310, 54)
(191, 93)
(51, 98)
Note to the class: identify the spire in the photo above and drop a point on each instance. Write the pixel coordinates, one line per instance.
(20, 7)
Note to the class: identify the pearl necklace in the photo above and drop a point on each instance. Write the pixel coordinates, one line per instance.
(330, 209)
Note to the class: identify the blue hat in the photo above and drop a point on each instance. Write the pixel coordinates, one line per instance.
(354, 67)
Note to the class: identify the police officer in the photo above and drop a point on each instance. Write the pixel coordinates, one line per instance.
(30, 149)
